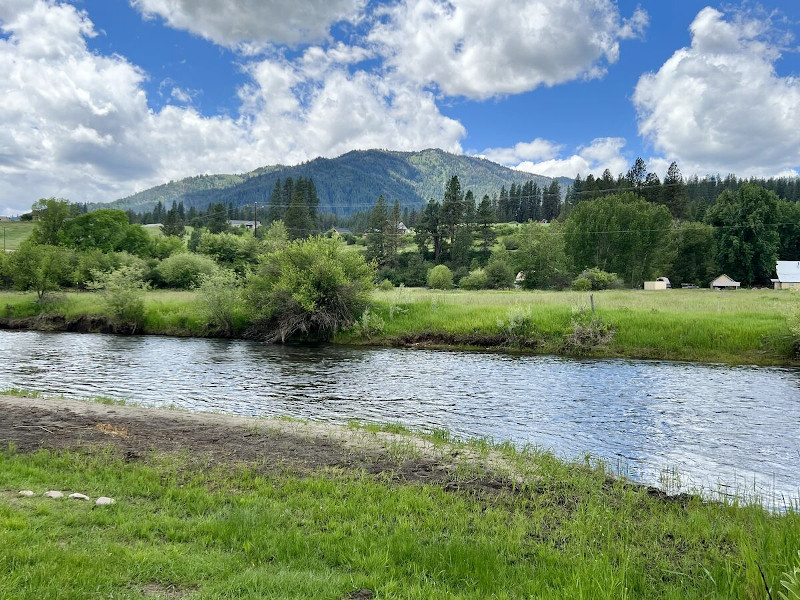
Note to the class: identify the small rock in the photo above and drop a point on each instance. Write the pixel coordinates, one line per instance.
(26, 493)
(77, 496)
(103, 501)
(54, 494)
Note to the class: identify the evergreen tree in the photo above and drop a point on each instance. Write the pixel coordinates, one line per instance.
(638, 174)
(674, 193)
(551, 201)
(391, 242)
(173, 223)
(486, 218)
(429, 230)
(277, 203)
(651, 190)
(217, 218)
(378, 228)
(297, 218)
(452, 209)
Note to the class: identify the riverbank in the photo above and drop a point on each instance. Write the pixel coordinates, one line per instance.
(211, 506)
(742, 327)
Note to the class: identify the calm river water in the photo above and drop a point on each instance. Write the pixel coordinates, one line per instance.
(677, 425)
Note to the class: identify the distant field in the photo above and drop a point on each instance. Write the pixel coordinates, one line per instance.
(15, 233)
(746, 326)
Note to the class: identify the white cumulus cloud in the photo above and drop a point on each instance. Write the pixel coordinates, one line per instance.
(252, 22)
(719, 105)
(542, 157)
(77, 124)
(484, 48)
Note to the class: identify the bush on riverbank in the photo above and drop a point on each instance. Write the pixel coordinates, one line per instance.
(312, 288)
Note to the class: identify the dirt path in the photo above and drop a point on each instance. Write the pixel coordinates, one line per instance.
(56, 423)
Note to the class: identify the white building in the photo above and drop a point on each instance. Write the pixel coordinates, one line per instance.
(788, 275)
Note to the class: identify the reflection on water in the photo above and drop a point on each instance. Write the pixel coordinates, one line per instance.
(717, 426)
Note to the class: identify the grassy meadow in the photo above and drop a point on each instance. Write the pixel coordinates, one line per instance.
(746, 326)
(742, 327)
(15, 233)
(184, 528)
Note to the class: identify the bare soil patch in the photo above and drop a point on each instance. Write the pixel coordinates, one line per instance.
(31, 424)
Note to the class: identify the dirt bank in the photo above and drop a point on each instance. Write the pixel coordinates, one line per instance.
(56, 423)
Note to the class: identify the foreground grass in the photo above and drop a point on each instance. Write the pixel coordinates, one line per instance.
(248, 532)
(742, 327)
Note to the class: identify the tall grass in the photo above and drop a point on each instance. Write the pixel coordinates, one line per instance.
(747, 326)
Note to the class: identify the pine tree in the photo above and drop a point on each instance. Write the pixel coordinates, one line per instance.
(675, 192)
(638, 173)
(391, 236)
(173, 223)
(486, 218)
(429, 229)
(277, 204)
(452, 209)
(551, 201)
(378, 228)
(296, 217)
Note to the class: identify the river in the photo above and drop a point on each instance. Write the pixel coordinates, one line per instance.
(680, 426)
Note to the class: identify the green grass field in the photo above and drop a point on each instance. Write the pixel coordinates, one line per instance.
(742, 327)
(15, 233)
(746, 326)
(183, 529)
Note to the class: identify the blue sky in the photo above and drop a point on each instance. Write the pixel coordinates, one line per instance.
(108, 97)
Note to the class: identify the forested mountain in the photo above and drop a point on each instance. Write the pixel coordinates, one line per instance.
(346, 184)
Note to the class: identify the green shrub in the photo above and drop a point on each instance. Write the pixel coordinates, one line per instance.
(41, 268)
(311, 288)
(219, 297)
(440, 278)
(386, 285)
(184, 270)
(597, 279)
(123, 292)
(167, 245)
(499, 271)
(476, 280)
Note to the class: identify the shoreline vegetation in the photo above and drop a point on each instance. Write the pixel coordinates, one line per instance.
(742, 327)
(220, 506)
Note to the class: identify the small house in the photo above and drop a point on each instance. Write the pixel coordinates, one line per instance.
(655, 285)
(246, 224)
(723, 282)
(788, 275)
(4, 219)
(340, 231)
(402, 229)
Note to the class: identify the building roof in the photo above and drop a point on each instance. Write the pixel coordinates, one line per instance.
(724, 281)
(788, 271)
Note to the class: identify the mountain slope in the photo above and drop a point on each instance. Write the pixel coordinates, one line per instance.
(346, 184)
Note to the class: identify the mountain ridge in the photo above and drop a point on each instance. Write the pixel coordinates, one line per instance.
(345, 184)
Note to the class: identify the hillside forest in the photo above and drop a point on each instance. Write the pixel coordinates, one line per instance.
(603, 232)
